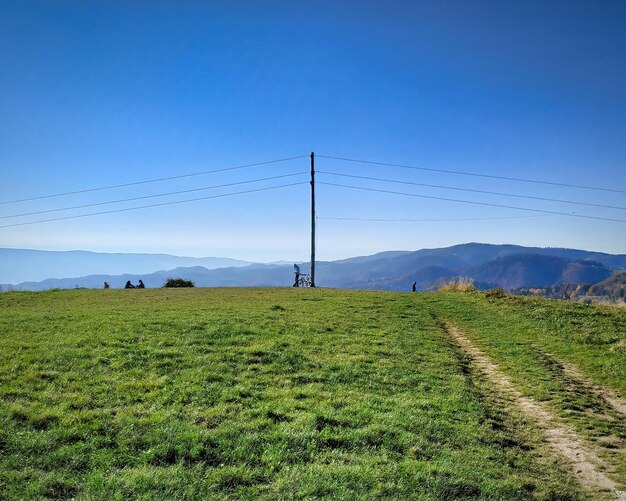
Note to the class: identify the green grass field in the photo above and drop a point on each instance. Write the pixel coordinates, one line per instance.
(293, 393)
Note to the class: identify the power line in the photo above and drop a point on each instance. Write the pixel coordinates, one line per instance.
(152, 196)
(444, 187)
(429, 220)
(463, 173)
(156, 205)
(156, 180)
(474, 203)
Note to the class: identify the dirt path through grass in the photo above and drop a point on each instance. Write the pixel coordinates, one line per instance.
(615, 401)
(585, 463)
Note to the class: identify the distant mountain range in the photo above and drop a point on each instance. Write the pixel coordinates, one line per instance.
(20, 265)
(506, 266)
(523, 270)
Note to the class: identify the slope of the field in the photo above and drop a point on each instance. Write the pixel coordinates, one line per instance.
(288, 393)
(570, 356)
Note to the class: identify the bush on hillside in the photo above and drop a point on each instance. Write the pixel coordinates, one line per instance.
(495, 293)
(460, 284)
(178, 282)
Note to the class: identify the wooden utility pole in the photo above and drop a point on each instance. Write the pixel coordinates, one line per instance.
(312, 219)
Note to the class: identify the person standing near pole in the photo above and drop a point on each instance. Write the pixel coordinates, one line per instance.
(296, 271)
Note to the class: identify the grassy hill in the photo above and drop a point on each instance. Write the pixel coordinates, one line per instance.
(293, 393)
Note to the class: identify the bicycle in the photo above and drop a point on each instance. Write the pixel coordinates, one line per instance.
(304, 280)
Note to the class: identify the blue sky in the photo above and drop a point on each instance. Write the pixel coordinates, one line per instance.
(93, 94)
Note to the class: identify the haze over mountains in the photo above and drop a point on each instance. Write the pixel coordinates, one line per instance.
(507, 266)
(21, 265)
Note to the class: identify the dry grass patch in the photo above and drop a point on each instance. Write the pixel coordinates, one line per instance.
(459, 284)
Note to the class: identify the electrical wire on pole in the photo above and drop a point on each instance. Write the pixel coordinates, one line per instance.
(426, 220)
(113, 211)
(471, 190)
(569, 214)
(155, 180)
(96, 204)
(474, 174)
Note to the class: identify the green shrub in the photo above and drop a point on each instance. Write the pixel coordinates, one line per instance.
(178, 282)
(495, 293)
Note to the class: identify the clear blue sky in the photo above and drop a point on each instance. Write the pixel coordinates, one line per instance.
(94, 94)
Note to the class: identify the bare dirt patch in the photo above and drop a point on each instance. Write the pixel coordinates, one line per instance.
(585, 463)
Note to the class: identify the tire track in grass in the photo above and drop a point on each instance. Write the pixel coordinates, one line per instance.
(585, 463)
(612, 407)
(612, 399)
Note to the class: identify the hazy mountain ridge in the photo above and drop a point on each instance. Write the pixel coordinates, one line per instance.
(21, 265)
(534, 270)
(612, 286)
(507, 266)
(253, 275)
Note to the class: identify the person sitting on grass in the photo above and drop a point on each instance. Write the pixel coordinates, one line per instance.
(106, 285)
(141, 285)
(129, 285)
